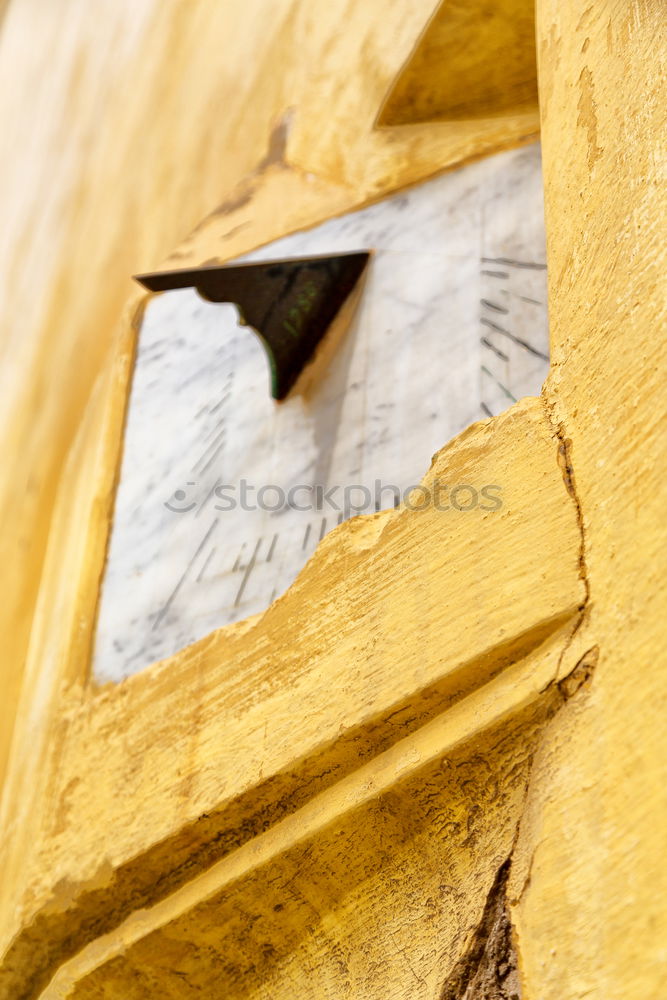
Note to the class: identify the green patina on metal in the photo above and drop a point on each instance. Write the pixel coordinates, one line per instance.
(289, 303)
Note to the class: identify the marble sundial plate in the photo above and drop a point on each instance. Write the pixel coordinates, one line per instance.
(225, 493)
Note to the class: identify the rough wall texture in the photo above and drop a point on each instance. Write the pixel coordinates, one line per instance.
(148, 119)
(590, 884)
(587, 881)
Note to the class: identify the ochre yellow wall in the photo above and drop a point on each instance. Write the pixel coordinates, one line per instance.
(123, 126)
(129, 150)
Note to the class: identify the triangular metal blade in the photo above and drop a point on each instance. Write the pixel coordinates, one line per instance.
(289, 303)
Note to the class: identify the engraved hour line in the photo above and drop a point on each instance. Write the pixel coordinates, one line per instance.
(205, 566)
(499, 384)
(147, 353)
(220, 436)
(496, 274)
(208, 496)
(165, 608)
(246, 576)
(223, 398)
(305, 537)
(217, 431)
(237, 563)
(524, 298)
(238, 558)
(493, 306)
(486, 409)
(214, 429)
(512, 337)
(496, 350)
(215, 454)
(508, 262)
(226, 392)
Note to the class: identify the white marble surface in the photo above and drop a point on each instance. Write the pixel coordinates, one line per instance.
(450, 326)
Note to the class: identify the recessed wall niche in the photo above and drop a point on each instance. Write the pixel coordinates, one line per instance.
(224, 494)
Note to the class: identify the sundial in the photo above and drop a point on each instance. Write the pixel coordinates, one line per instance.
(225, 490)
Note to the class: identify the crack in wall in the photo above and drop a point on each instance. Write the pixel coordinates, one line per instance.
(580, 674)
(489, 968)
(566, 465)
